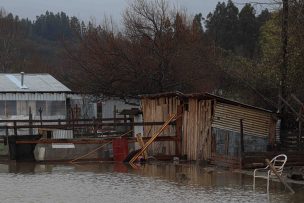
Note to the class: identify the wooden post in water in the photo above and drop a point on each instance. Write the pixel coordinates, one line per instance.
(241, 143)
(279, 177)
(94, 127)
(178, 128)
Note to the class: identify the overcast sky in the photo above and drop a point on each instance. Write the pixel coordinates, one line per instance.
(97, 9)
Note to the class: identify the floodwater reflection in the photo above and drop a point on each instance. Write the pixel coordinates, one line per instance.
(158, 182)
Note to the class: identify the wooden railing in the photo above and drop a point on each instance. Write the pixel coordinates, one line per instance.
(89, 125)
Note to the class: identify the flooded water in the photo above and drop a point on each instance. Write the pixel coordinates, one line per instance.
(104, 182)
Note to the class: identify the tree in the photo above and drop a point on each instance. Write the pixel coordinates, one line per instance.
(158, 50)
(222, 25)
(9, 34)
(236, 31)
(197, 24)
(54, 26)
(248, 31)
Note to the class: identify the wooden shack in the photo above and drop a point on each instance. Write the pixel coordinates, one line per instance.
(210, 127)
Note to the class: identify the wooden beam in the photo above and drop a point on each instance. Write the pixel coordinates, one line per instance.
(141, 144)
(297, 99)
(153, 138)
(90, 141)
(85, 155)
(63, 120)
(279, 177)
(66, 126)
(292, 109)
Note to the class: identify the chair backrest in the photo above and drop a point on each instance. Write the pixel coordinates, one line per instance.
(278, 162)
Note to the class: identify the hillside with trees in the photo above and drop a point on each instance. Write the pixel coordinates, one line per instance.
(234, 52)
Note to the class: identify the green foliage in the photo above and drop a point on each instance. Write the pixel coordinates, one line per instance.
(53, 27)
(271, 54)
(34, 46)
(197, 23)
(270, 41)
(248, 31)
(234, 30)
(222, 25)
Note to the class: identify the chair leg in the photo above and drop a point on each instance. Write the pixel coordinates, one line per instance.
(253, 181)
(268, 183)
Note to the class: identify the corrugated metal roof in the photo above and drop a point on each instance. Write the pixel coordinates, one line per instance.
(203, 96)
(30, 96)
(32, 83)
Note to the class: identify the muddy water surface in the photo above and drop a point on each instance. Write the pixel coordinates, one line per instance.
(104, 182)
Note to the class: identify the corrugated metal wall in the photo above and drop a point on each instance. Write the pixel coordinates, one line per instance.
(255, 122)
(157, 110)
(62, 134)
(228, 143)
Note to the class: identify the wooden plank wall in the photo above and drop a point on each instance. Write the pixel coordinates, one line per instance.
(196, 138)
(159, 109)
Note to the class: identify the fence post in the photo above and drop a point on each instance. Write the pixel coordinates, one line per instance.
(15, 128)
(30, 121)
(94, 127)
(40, 115)
(6, 134)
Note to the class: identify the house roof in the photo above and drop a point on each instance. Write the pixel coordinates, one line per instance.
(203, 96)
(43, 83)
(163, 94)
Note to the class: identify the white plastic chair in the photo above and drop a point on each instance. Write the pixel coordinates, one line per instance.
(278, 162)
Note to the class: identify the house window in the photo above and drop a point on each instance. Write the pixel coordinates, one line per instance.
(56, 108)
(2, 108)
(11, 108)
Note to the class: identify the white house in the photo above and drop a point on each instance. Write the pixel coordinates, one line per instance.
(41, 94)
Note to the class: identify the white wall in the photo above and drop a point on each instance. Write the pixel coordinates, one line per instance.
(109, 105)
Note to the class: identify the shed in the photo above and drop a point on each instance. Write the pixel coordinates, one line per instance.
(210, 127)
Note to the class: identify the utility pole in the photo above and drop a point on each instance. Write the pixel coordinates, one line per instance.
(284, 65)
